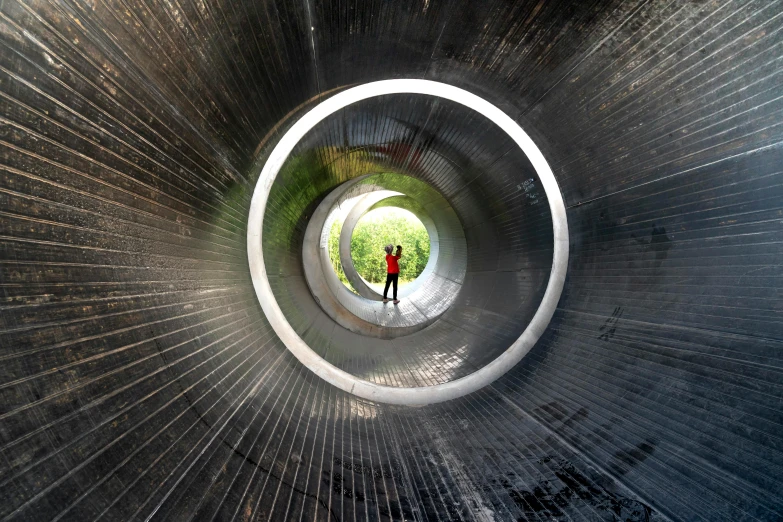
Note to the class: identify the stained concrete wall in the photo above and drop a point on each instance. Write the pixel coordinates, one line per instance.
(140, 379)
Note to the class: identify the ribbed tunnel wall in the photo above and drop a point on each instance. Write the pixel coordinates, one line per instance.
(140, 379)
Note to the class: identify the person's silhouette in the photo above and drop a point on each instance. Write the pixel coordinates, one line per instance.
(392, 271)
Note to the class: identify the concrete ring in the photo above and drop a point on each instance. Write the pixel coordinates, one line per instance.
(341, 379)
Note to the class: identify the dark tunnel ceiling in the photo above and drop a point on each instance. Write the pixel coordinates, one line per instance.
(140, 380)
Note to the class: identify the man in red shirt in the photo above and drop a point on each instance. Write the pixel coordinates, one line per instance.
(392, 271)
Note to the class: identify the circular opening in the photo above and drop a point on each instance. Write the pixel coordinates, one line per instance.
(374, 230)
(378, 199)
(419, 394)
(359, 307)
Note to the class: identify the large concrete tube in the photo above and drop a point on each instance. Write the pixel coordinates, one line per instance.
(502, 330)
(357, 314)
(141, 379)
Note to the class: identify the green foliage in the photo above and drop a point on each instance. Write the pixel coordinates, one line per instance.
(375, 230)
(334, 253)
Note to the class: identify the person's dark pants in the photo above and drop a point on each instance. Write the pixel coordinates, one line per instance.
(391, 278)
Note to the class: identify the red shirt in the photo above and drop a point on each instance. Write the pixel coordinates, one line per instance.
(391, 264)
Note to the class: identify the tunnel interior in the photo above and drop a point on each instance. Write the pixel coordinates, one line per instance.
(380, 207)
(142, 377)
(495, 239)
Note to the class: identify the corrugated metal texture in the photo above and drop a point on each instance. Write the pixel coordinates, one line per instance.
(139, 378)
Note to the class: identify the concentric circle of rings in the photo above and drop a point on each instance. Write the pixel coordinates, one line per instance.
(343, 380)
(367, 204)
(358, 313)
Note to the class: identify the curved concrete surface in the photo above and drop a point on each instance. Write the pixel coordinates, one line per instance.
(141, 380)
(281, 168)
(371, 317)
(354, 313)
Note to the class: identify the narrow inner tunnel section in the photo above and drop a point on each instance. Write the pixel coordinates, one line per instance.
(388, 222)
(365, 313)
(497, 212)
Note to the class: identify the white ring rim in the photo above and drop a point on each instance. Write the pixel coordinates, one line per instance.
(421, 395)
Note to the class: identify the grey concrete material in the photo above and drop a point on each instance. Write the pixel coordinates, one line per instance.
(327, 290)
(478, 339)
(435, 296)
(129, 393)
(487, 341)
(357, 314)
(384, 315)
(468, 348)
(366, 389)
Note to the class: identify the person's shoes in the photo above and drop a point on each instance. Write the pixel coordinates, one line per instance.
(385, 300)
(396, 301)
